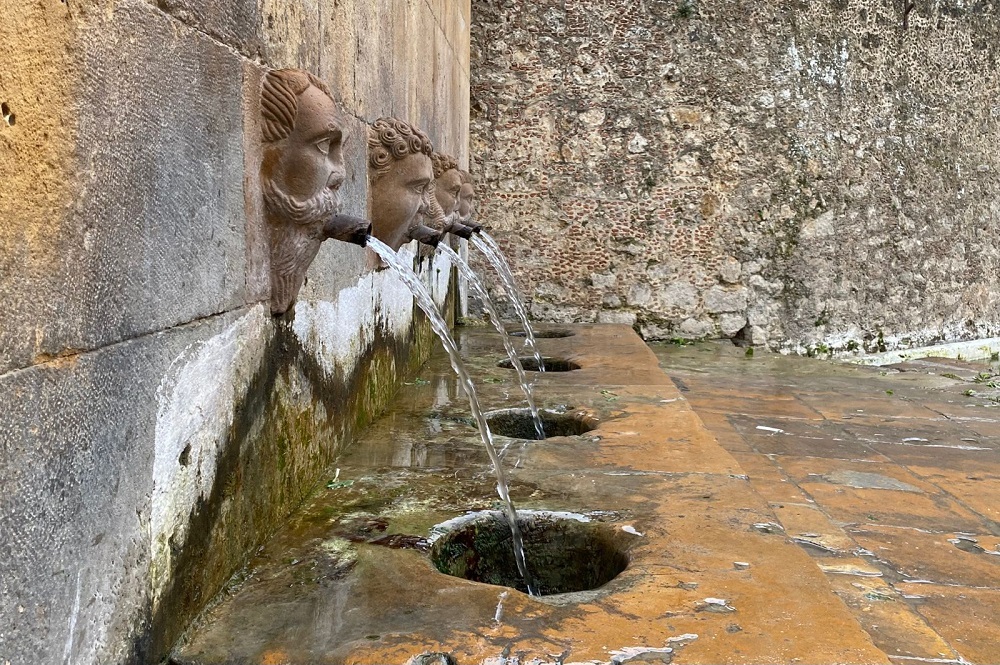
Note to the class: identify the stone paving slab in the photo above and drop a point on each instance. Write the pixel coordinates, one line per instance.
(713, 578)
(899, 482)
(966, 618)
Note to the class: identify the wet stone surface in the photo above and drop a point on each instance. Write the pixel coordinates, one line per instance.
(825, 548)
(888, 477)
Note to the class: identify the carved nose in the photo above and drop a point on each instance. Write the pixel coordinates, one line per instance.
(336, 179)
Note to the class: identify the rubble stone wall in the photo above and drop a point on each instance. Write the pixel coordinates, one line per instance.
(809, 175)
(156, 422)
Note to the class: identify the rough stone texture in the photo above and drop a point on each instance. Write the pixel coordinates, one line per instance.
(157, 423)
(345, 580)
(77, 505)
(826, 170)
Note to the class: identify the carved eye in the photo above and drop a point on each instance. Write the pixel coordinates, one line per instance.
(324, 146)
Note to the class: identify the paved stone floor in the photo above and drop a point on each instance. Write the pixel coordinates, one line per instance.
(774, 510)
(888, 477)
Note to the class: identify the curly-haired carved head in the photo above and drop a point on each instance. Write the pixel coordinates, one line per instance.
(443, 163)
(447, 182)
(390, 140)
(401, 176)
(466, 198)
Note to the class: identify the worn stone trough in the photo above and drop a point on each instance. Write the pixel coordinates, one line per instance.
(644, 533)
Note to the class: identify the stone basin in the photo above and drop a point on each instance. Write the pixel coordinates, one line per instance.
(351, 579)
(565, 552)
(551, 363)
(519, 424)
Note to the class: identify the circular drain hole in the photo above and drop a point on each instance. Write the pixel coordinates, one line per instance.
(543, 334)
(564, 554)
(551, 364)
(518, 423)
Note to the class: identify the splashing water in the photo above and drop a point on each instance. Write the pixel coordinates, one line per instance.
(485, 243)
(477, 285)
(426, 303)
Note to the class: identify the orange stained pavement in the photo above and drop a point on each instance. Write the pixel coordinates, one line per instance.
(888, 477)
(774, 510)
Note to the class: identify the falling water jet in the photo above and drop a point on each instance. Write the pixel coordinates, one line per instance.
(477, 285)
(426, 303)
(485, 243)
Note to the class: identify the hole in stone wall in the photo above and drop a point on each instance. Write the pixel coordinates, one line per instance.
(7, 114)
(551, 364)
(518, 423)
(185, 457)
(563, 554)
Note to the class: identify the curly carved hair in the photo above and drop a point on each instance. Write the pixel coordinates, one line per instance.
(279, 100)
(390, 139)
(442, 164)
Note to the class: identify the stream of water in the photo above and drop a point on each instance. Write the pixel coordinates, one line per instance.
(485, 243)
(426, 303)
(477, 285)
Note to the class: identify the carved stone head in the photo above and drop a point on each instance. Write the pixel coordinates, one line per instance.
(466, 199)
(447, 183)
(400, 176)
(301, 173)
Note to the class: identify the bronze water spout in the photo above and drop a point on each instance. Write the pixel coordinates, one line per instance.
(425, 235)
(348, 228)
(300, 177)
(461, 230)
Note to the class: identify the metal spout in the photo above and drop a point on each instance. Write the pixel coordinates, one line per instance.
(348, 228)
(460, 229)
(425, 235)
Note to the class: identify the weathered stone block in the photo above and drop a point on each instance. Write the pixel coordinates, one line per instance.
(720, 299)
(730, 270)
(628, 318)
(158, 183)
(780, 153)
(680, 295)
(730, 324)
(78, 451)
(695, 328)
(238, 24)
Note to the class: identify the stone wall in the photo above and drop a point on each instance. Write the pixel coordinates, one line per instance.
(809, 175)
(156, 422)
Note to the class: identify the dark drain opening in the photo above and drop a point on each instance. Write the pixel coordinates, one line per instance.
(543, 334)
(518, 423)
(551, 364)
(564, 555)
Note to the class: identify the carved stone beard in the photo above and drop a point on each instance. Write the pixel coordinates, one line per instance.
(296, 229)
(318, 208)
(435, 214)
